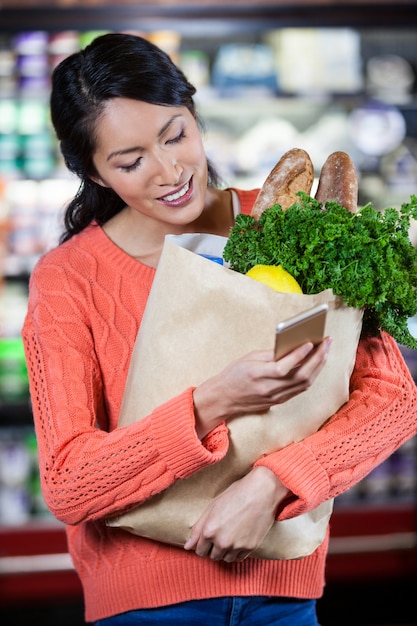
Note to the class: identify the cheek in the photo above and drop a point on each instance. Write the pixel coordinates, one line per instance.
(196, 158)
(128, 188)
(123, 188)
(193, 150)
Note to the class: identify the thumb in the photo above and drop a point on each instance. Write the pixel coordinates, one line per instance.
(191, 542)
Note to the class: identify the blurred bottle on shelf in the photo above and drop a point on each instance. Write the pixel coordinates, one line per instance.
(14, 387)
(21, 498)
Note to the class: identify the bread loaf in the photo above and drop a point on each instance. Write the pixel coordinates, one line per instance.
(338, 181)
(294, 172)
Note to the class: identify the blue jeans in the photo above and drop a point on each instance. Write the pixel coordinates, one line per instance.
(242, 611)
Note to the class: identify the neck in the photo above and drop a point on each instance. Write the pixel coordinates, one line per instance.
(144, 241)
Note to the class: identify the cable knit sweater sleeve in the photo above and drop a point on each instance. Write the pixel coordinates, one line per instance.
(379, 416)
(85, 305)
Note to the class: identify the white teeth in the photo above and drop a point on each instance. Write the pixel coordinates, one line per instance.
(179, 194)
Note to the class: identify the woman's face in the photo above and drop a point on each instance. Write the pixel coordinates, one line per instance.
(153, 158)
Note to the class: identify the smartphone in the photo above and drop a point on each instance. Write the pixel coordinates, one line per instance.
(306, 326)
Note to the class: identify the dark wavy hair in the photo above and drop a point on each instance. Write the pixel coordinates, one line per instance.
(112, 66)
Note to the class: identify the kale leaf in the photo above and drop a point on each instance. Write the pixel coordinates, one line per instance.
(366, 257)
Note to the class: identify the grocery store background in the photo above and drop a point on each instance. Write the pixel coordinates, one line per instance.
(319, 75)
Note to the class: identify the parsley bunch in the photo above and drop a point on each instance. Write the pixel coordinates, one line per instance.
(365, 257)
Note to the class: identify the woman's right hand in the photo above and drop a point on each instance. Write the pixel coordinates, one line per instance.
(256, 382)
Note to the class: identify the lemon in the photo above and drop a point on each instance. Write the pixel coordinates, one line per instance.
(275, 277)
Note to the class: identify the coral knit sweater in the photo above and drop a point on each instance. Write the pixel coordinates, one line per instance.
(87, 298)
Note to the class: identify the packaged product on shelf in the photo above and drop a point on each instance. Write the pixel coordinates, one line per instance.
(15, 471)
(20, 494)
(14, 387)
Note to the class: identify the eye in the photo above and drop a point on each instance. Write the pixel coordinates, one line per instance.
(132, 167)
(178, 138)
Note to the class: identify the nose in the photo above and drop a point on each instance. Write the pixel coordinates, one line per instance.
(169, 171)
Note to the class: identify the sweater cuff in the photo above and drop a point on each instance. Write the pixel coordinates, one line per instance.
(173, 427)
(297, 468)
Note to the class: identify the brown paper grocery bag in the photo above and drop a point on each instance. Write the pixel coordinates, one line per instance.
(200, 316)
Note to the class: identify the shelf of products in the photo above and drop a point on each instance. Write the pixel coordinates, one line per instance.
(251, 117)
(207, 16)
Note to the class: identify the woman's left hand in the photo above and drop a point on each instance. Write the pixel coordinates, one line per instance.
(236, 522)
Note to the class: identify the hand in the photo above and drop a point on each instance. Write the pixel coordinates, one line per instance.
(256, 382)
(236, 522)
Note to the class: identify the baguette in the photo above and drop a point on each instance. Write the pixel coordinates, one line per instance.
(338, 181)
(294, 172)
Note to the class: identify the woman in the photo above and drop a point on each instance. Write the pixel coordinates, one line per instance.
(125, 118)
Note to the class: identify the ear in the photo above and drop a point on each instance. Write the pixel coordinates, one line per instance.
(99, 181)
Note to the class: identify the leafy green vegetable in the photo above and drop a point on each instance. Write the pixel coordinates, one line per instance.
(365, 257)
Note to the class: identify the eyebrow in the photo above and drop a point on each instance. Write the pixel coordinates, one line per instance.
(139, 148)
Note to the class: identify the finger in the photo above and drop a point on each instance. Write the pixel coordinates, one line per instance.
(236, 556)
(217, 554)
(228, 555)
(299, 354)
(190, 544)
(280, 369)
(197, 542)
(204, 548)
(316, 359)
(192, 540)
(260, 355)
(294, 358)
(300, 380)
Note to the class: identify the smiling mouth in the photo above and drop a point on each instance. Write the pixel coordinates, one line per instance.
(178, 194)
